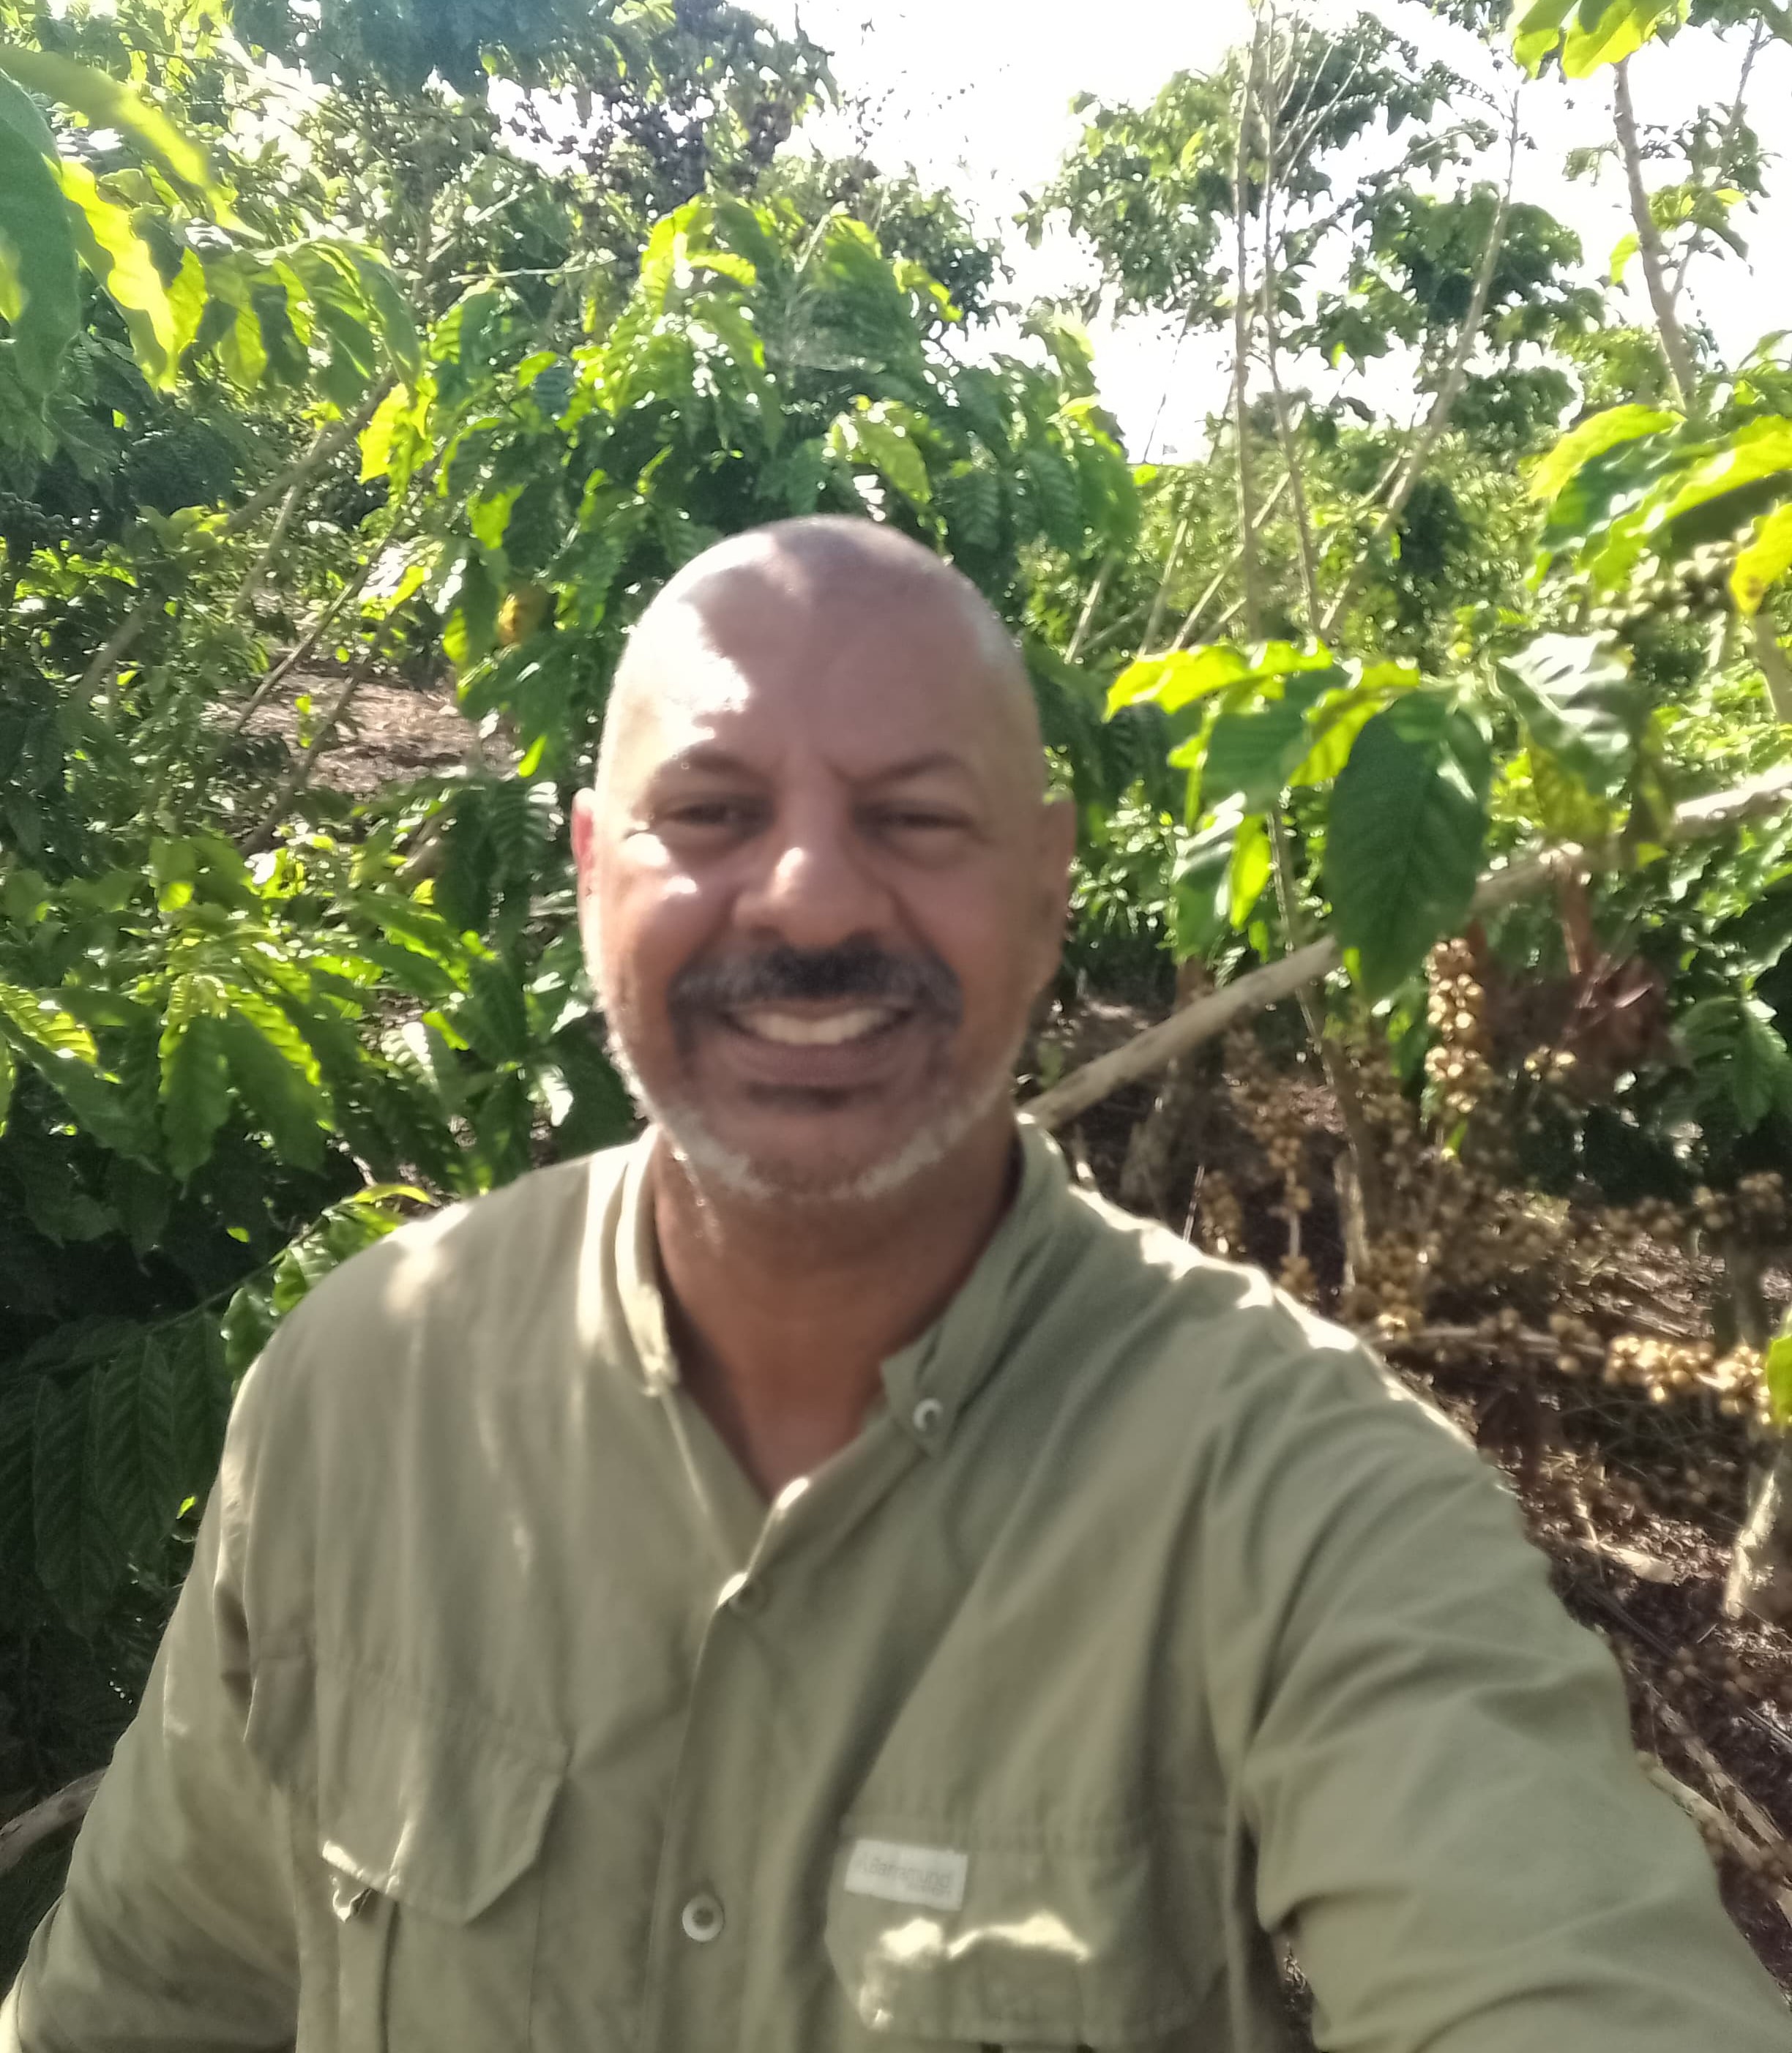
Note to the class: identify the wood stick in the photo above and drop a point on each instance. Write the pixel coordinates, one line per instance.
(1159, 1046)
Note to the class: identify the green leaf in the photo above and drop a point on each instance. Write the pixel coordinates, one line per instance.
(472, 628)
(391, 313)
(1335, 723)
(1200, 888)
(513, 825)
(248, 1325)
(8, 1074)
(1403, 842)
(1568, 812)
(1537, 31)
(601, 1112)
(45, 1025)
(242, 351)
(39, 291)
(105, 103)
(1255, 755)
(1608, 34)
(188, 297)
(493, 1014)
(1738, 1059)
(18, 1412)
(80, 1562)
(139, 1475)
(1057, 495)
(1777, 1369)
(1757, 449)
(1248, 872)
(881, 436)
(1177, 679)
(379, 435)
(195, 1088)
(283, 1099)
(1579, 702)
(120, 258)
(199, 1398)
(1593, 439)
(1763, 562)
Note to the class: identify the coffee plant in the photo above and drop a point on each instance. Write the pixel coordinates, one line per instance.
(362, 350)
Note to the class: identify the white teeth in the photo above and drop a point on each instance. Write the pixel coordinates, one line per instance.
(796, 1030)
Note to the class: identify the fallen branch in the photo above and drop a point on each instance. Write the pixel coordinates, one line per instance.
(1717, 1775)
(43, 1821)
(1707, 1815)
(1601, 1599)
(1159, 1046)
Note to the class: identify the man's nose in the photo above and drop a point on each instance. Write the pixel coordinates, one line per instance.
(813, 889)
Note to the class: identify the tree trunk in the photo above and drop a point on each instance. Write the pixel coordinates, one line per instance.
(1455, 376)
(1674, 345)
(1241, 367)
(1158, 1144)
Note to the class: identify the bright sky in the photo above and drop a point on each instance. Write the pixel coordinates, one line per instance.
(975, 95)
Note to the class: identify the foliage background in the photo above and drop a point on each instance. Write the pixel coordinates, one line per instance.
(347, 344)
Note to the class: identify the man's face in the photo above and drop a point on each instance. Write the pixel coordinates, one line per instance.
(820, 889)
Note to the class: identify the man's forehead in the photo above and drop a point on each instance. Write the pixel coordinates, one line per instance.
(761, 670)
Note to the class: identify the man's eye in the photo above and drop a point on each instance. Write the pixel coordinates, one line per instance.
(916, 819)
(707, 814)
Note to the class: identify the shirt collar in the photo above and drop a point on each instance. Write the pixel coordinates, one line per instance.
(928, 1382)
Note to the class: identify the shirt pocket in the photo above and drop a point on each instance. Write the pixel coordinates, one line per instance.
(1018, 1942)
(420, 1828)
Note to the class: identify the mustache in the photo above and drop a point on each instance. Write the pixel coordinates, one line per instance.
(853, 969)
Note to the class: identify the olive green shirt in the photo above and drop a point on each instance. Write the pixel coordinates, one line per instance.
(1146, 1615)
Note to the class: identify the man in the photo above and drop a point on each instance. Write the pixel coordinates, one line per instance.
(814, 1581)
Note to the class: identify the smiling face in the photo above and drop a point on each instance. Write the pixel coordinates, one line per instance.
(819, 882)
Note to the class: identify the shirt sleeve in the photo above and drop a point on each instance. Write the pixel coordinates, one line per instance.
(176, 1929)
(1434, 1762)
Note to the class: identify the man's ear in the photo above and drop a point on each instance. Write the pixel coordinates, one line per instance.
(584, 864)
(585, 832)
(1057, 849)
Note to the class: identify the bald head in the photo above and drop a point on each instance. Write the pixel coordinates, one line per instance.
(801, 595)
(820, 880)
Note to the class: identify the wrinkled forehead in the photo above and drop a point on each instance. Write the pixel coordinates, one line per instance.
(866, 681)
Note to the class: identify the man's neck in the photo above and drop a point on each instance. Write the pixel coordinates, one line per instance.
(782, 1316)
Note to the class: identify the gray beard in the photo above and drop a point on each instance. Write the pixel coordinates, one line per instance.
(712, 1165)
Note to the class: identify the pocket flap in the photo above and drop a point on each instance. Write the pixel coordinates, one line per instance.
(441, 1808)
(1045, 1944)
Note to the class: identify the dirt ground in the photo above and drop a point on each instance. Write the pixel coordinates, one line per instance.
(394, 730)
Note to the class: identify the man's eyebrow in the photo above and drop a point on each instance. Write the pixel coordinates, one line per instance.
(705, 758)
(933, 761)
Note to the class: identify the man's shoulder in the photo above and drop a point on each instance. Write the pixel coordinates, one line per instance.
(507, 1255)
(1136, 1268)
(1211, 1332)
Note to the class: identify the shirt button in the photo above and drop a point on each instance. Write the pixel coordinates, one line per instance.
(926, 1416)
(702, 1919)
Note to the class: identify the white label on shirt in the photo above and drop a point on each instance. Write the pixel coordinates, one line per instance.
(930, 1875)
